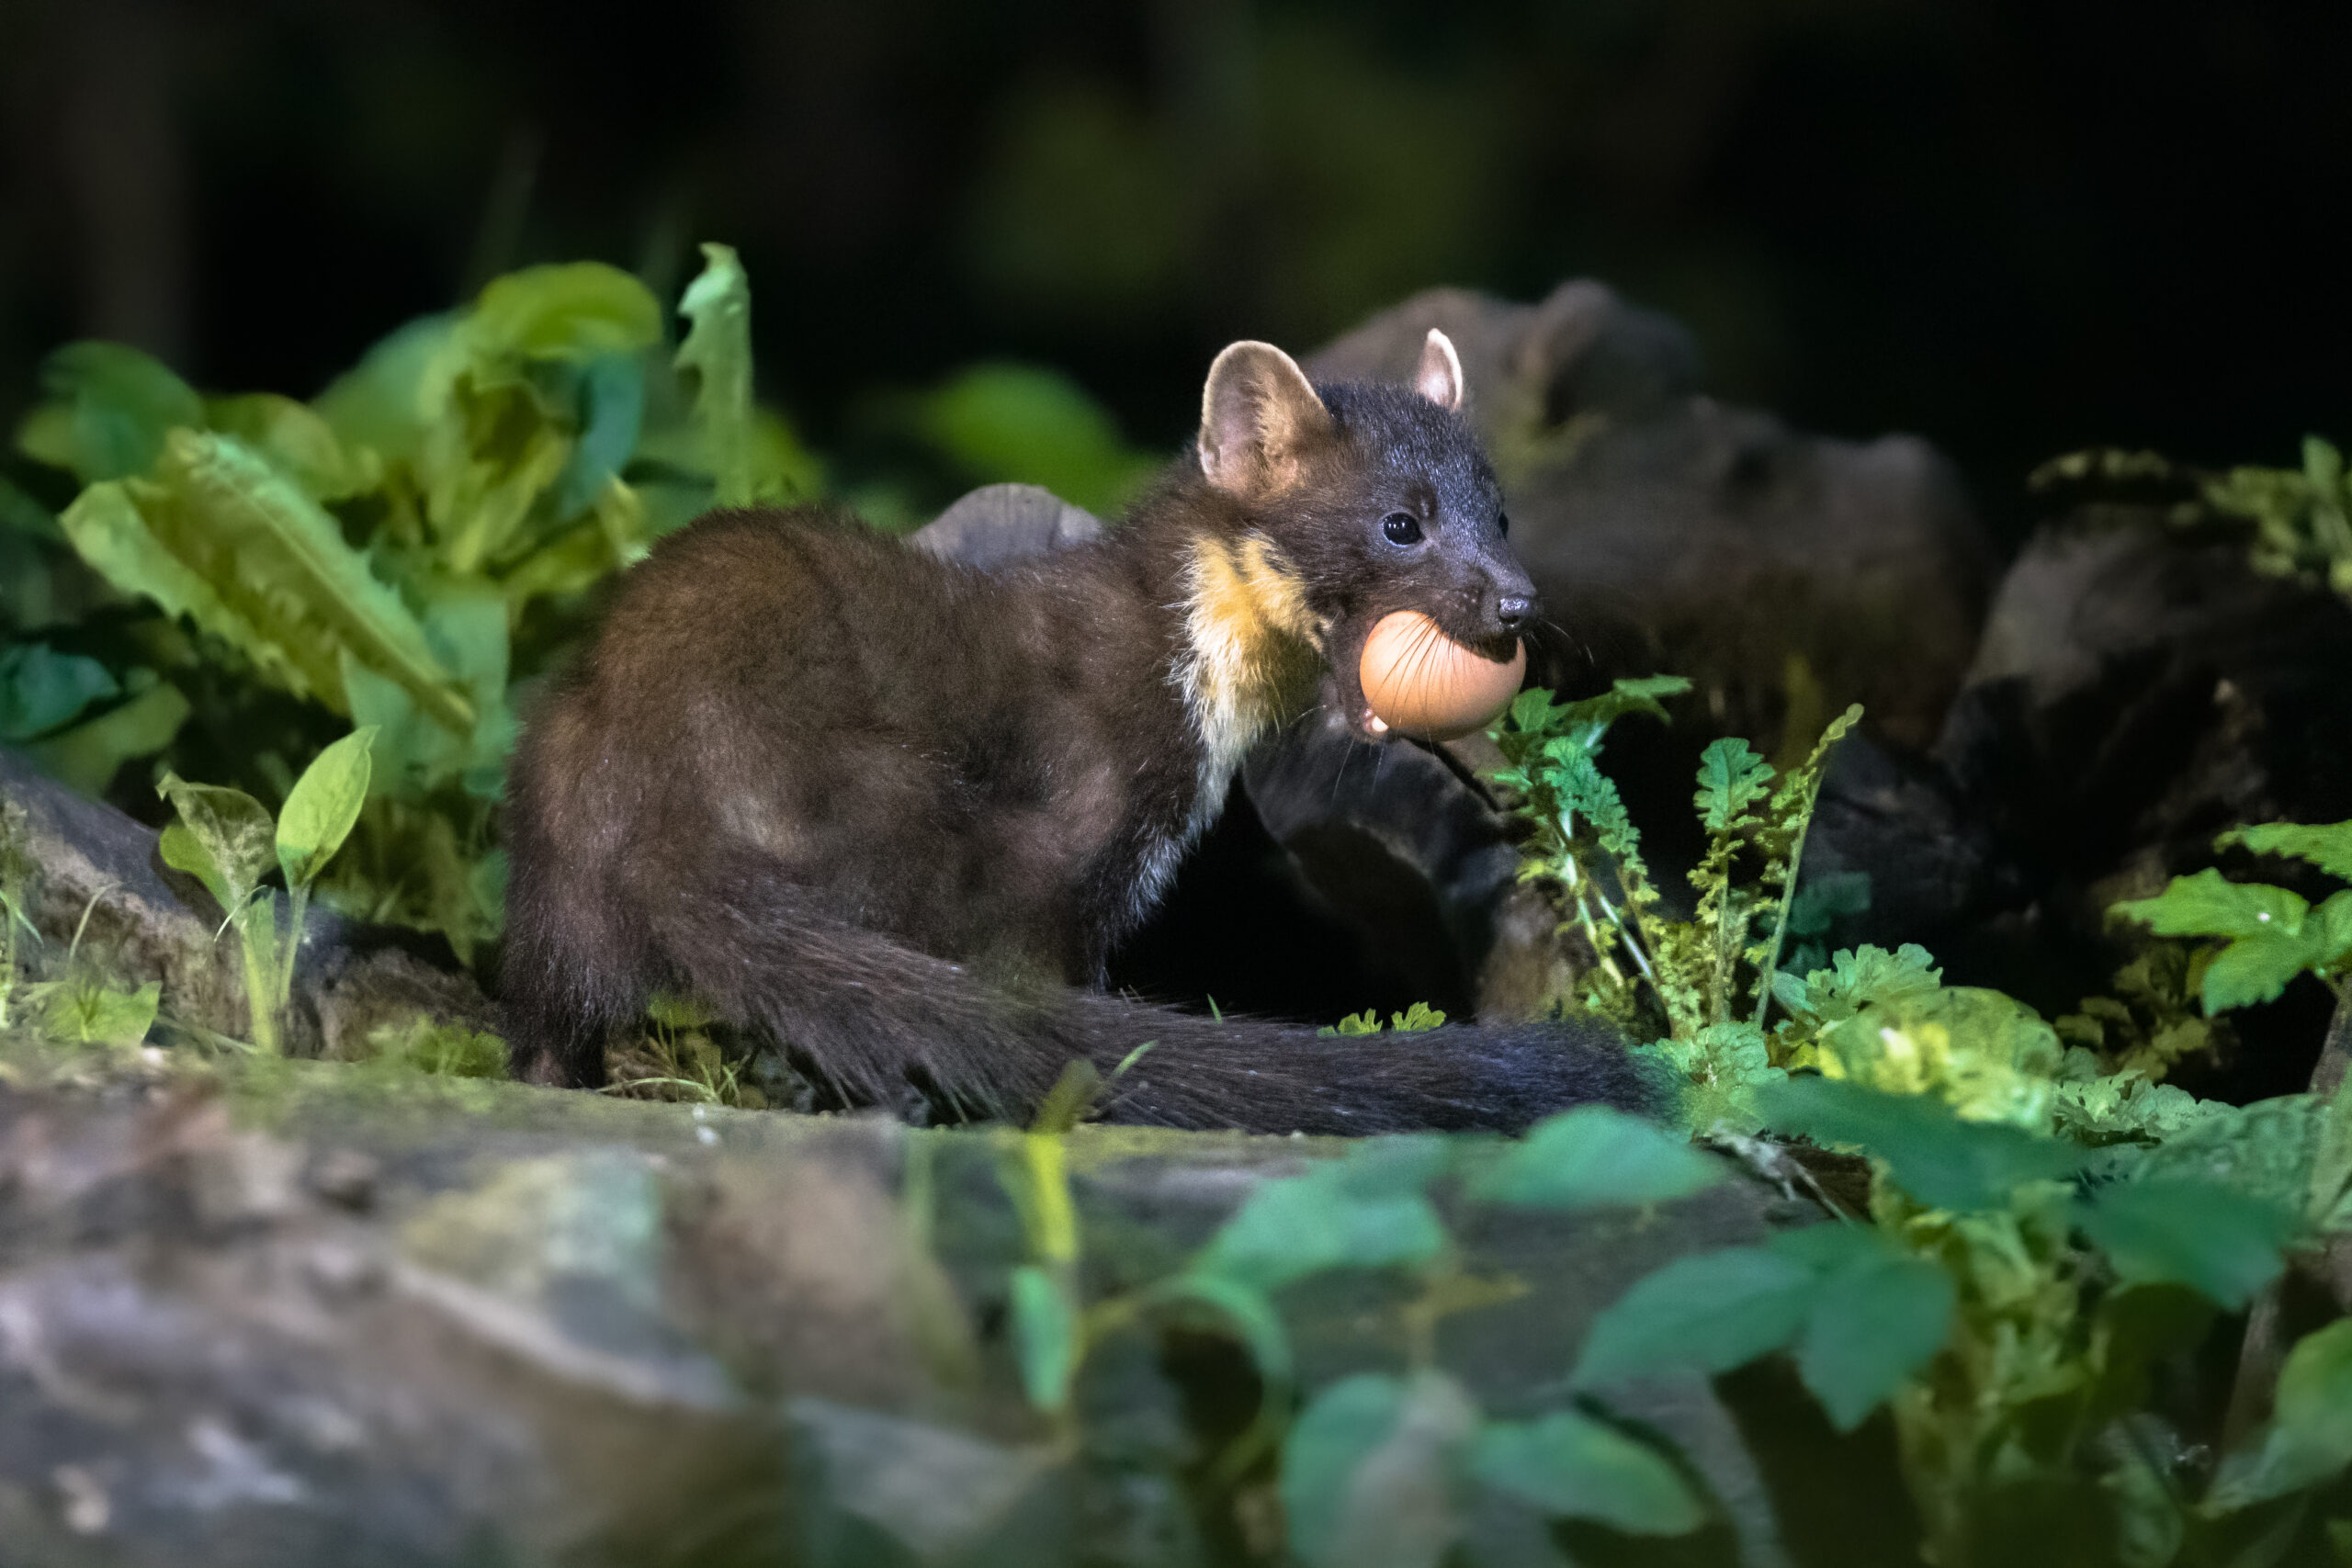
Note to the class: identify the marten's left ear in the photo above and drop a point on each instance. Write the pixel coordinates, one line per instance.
(1439, 378)
(1259, 415)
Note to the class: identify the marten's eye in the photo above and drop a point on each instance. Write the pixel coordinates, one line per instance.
(1502, 524)
(1402, 528)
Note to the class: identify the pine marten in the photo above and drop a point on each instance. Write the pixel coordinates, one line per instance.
(895, 813)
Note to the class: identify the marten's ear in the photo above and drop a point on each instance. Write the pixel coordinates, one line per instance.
(1439, 378)
(1258, 417)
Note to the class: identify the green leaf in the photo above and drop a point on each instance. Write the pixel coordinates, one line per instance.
(2257, 968)
(1368, 1472)
(1707, 1314)
(2209, 904)
(1045, 1337)
(322, 806)
(1031, 425)
(1355, 1024)
(1987, 1055)
(1366, 1210)
(1417, 1018)
(1732, 778)
(1245, 1310)
(1574, 1467)
(2172, 1230)
(1930, 1151)
(1878, 1319)
(220, 537)
(1595, 1155)
(183, 850)
(2309, 1439)
(88, 755)
(385, 403)
(718, 351)
(571, 312)
(84, 1011)
(293, 439)
(2328, 847)
(232, 830)
(42, 690)
(109, 408)
(1857, 976)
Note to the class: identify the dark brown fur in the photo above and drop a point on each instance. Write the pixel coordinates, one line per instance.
(896, 812)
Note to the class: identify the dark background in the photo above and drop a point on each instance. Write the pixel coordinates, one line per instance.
(2016, 228)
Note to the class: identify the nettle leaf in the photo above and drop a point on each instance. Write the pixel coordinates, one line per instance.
(1571, 1466)
(1877, 1317)
(1044, 1336)
(1732, 778)
(1418, 1017)
(1706, 1313)
(1594, 1155)
(220, 537)
(2328, 847)
(1930, 1151)
(42, 690)
(2309, 1439)
(2209, 904)
(2173, 1230)
(1366, 1210)
(1369, 1471)
(1987, 1055)
(322, 806)
(109, 408)
(718, 351)
(229, 841)
(2256, 969)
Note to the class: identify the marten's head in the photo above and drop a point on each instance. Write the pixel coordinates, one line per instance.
(1355, 501)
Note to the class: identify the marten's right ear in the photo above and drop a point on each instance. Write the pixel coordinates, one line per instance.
(1259, 415)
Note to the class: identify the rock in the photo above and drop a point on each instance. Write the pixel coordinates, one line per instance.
(313, 1313)
(146, 921)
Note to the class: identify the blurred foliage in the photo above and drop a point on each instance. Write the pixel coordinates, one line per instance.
(241, 579)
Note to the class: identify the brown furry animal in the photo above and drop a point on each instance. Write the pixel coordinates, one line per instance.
(896, 812)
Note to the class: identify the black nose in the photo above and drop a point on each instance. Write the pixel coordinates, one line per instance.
(1514, 610)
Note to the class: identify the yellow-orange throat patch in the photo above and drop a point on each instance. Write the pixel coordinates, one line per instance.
(1252, 654)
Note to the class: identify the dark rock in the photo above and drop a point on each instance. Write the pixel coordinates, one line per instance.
(996, 524)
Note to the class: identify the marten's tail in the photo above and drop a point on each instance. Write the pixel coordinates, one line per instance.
(877, 1017)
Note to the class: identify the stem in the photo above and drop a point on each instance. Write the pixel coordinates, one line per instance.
(1788, 897)
(257, 945)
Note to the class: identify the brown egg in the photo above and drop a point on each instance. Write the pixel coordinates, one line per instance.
(1421, 682)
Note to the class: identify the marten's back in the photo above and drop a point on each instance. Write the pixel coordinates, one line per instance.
(928, 750)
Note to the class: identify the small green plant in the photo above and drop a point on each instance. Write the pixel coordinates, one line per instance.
(675, 1058)
(2268, 935)
(226, 839)
(1701, 989)
(1412, 1020)
(16, 879)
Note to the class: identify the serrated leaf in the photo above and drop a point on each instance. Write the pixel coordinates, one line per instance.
(2257, 968)
(717, 349)
(108, 409)
(1595, 1155)
(1732, 778)
(1857, 976)
(42, 690)
(2309, 1439)
(1045, 1337)
(2168, 1230)
(221, 537)
(1573, 1467)
(322, 806)
(2328, 847)
(1366, 1210)
(1930, 1151)
(2209, 904)
(1706, 1314)
(234, 830)
(1368, 1472)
